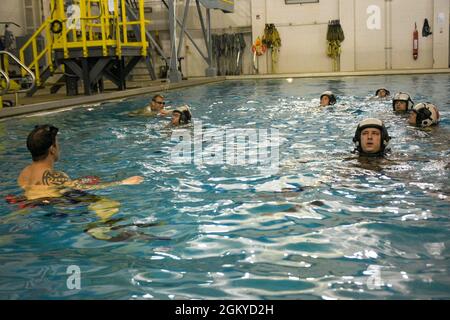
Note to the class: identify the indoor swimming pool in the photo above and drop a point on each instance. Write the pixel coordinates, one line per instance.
(325, 225)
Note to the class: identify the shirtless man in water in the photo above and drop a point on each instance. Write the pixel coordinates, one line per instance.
(39, 179)
(155, 108)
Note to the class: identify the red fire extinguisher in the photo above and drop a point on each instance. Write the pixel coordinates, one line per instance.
(415, 43)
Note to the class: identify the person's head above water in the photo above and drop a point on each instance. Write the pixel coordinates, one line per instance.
(424, 115)
(327, 99)
(382, 93)
(402, 102)
(181, 115)
(42, 144)
(157, 103)
(371, 138)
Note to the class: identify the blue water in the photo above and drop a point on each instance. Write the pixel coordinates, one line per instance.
(343, 228)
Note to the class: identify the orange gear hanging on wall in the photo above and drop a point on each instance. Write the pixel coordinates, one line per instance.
(258, 48)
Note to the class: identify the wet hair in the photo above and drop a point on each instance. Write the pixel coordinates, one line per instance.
(185, 116)
(40, 140)
(157, 96)
(388, 93)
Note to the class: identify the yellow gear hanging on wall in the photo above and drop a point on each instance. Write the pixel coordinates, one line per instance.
(335, 36)
(272, 40)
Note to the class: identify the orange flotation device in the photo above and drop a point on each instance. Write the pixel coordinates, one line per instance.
(259, 48)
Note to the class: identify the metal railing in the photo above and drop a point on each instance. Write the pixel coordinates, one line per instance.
(9, 55)
(37, 56)
(8, 83)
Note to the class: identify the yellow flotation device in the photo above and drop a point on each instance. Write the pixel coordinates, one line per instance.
(335, 36)
(272, 40)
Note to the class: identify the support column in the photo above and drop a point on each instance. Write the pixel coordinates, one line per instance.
(174, 73)
(210, 71)
(121, 69)
(86, 77)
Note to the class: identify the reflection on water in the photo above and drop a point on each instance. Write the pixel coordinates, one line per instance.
(327, 225)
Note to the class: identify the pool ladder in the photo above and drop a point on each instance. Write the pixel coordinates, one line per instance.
(4, 60)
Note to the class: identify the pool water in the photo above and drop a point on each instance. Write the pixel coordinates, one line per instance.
(324, 226)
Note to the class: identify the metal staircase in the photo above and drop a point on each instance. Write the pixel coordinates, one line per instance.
(107, 41)
(89, 47)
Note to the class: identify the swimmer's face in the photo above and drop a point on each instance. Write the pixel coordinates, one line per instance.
(401, 106)
(412, 118)
(176, 118)
(371, 140)
(382, 94)
(325, 101)
(157, 104)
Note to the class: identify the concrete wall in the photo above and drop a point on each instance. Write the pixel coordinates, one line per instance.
(302, 29)
(441, 34)
(303, 32)
(12, 10)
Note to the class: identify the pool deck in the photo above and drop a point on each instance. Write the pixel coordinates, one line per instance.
(44, 101)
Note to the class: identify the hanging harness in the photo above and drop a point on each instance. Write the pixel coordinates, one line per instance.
(335, 36)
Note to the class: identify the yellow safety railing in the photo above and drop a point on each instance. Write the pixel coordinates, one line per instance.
(37, 56)
(112, 26)
(107, 30)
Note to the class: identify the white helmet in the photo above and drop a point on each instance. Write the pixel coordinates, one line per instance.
(372, 123)
(401, 96)
(427, 114)
(185, 114)
(330, 96)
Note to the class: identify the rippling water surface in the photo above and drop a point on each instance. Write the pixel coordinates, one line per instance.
(341, 228)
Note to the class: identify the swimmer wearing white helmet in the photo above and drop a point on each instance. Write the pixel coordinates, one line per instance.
(327, 99)
(181, 115)
(371, 138)
(402, 102)
(424, 115)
